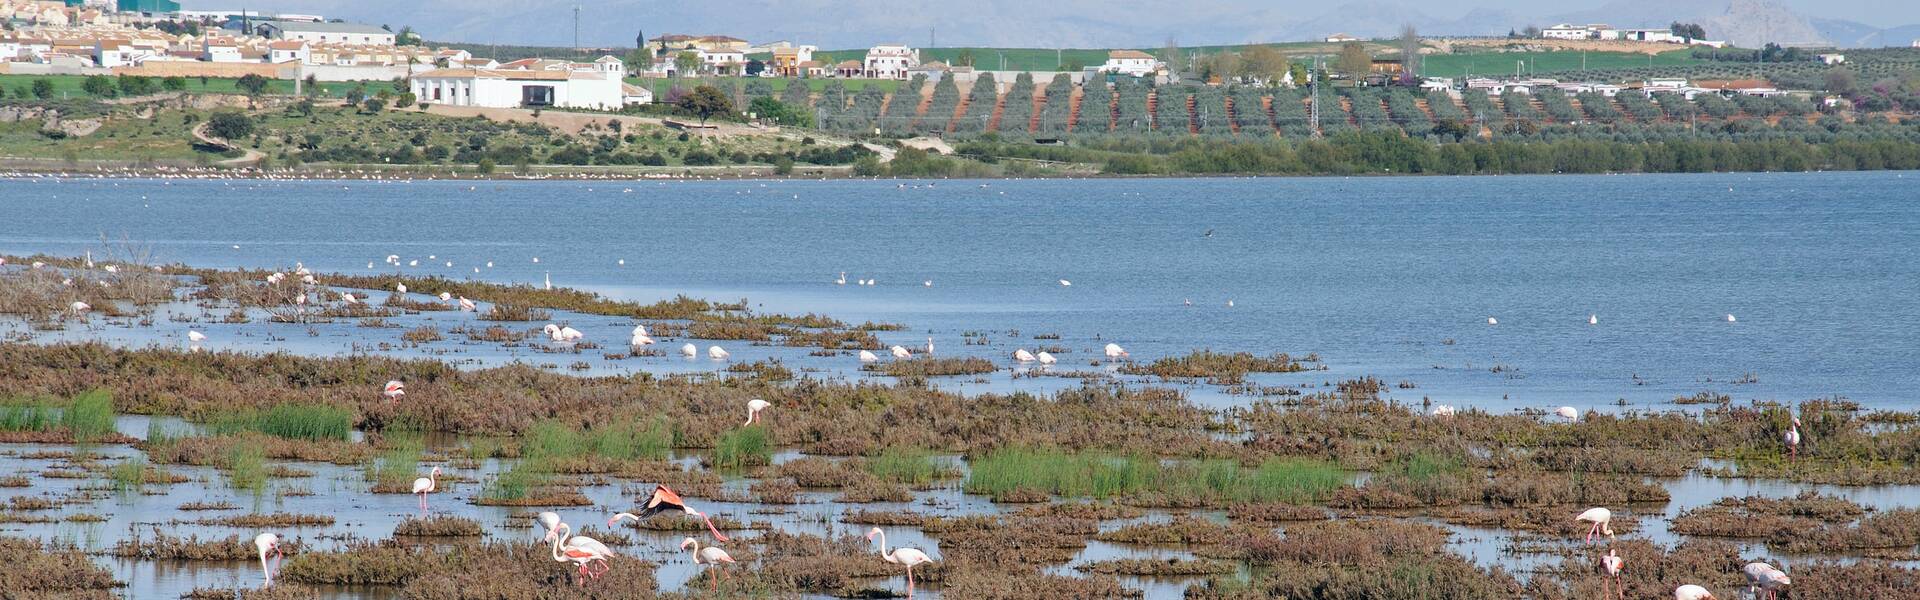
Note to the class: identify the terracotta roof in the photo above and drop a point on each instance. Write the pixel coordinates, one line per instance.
(287, 45)
(1126, 54)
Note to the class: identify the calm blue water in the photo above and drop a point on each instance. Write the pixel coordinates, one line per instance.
(1393, 277)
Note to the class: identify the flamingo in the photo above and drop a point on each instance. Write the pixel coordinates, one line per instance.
(842, 280)
(1045, 358)
(400, 288)
(570, 334)
(394, 390)
(1602, 520)
(640, 339)
(662, 500)
(717, 353)
(900, 556)
(1567, 412)
(1764, 577)
(1792, 438)
(1023, 355)
(467, 305)
(79, 307)
(1593, 319)
(581, 555)
(710, 556)
(754, 407)
(929, 346)
(1065, 283)
(425, 485)
(640, 330)
(1492, 321)
(900, 353)
(1443, 411)
(195, 336)
(1611, 564)
(1730, 318)
(547, 520)
(867, 356)
(265, 543)
(348, 298)
(1115, 352)
(1691, 592)
(549, 279)
(446, 296)
(689, 350)
(927, 283)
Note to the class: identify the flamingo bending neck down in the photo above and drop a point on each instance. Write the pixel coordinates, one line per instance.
(662, 500)
(1610, 565)
(1692, 592)
(1023, 355)
(394, 390)
(710, 556)
(549, 521)
(900, 556)
(867, 356)
(1762, 577)
(1601, 520)
(268, 543)
(754, 407)
(425, 485)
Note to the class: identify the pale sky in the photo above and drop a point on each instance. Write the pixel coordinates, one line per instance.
(1018, 23)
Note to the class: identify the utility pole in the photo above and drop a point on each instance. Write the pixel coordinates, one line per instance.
(1313, 85)
(576, 29)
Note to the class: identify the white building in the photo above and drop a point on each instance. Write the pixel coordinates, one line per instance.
(890, 61)
(1564, 31)
(288, 51)
(1833, 59)
(595, 85)
(1650, 35)
(1339, 38)
(341, 33)
(221, 52)
(1131, 62)
(722, 62)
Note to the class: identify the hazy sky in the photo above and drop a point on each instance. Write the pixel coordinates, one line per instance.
(1056, 23)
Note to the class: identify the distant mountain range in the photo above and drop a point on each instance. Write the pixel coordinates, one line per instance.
(1067, 23)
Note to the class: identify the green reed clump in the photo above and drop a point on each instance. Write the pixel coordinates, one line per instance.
(128, 475)
(27, 415)
(627, 440)
(90, 416)
(514, 483)
(910, 466)
(1014, 471)
(399, 462)
(246, 467)
(482, 447)
(291, 421)
(1432, 478)
(742, 448)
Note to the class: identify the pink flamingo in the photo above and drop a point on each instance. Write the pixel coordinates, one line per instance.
(711, 556)
(394, 390)
(1602, 520)
(1691, 592)
(754, 407)
(578, 553)
(424, 486)
(1792, 438)
(900, 556)
(547, 520)
(662, 500)
(265, 543)
(1611, 564)
(1764, 577)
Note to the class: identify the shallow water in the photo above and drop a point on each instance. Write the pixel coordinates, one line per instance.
(1392, 277)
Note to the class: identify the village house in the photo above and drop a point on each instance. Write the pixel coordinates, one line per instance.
(787, 61)
(1133, 63)
(287, 51)
(1832, 58)
(532, 83)
(1341, 38)
(722, 62)
(890, 61)
(1650, 35)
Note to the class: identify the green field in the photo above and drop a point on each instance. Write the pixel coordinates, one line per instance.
(1505, 63)
(68, 86)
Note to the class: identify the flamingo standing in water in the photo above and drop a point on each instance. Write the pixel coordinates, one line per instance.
(1601, 520)
(900, 352)
(1115, 352)
(1691, 592)
(929, 346)
(1792, 438)
(194, 338)
(1567, 412)
(900, 556)
(867, 356)
(710, 556)
(1610, 566)
(425, 485)
(842, 280)
(395, 389)
(1045, 358)
(1762, 577)
(467, 305)
(662, 500)
(717, 353)
(754, 407)
(689, 350)
(1023, 355)
(268, 543)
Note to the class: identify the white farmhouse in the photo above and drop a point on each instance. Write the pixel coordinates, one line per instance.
(1650, 35)
(1564, 31)
(287, 51)
(1130, 62)
(890, 61)
(1833, 58)
(221, 51)
(595, 85)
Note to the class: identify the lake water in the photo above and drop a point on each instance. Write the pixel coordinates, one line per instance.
(1391, 277)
